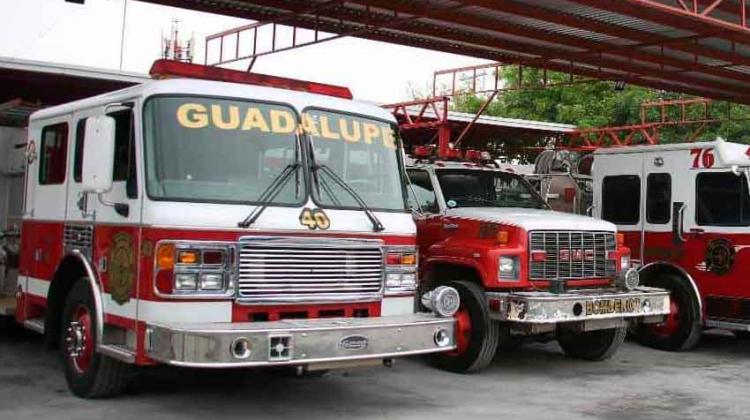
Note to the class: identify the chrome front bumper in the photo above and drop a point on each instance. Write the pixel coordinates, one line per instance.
(578, 305)
(298, 341)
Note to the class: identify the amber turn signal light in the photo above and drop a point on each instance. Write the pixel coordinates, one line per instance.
(502, 237)
(408, 259)
(188, 257)
(165, 256)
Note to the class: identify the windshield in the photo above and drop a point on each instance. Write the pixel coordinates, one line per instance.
(364, 153)
(473, 188)
(219, 150)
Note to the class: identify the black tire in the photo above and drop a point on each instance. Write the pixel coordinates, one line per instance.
(689, 328)
(591, 345)
(103, 376)
(481, 338)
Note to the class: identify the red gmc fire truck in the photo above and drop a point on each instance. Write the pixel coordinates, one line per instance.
(522, 270)
(210, 224)
(685, 212)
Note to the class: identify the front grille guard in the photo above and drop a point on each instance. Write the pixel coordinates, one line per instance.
(311, 243)
(571, 255)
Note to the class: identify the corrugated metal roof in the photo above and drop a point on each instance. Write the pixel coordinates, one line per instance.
(654, 43)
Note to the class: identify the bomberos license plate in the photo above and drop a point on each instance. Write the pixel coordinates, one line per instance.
(613, 306)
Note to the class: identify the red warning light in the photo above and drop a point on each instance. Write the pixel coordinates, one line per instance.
(165, 69)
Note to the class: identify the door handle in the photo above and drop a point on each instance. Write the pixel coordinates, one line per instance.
(450, 226)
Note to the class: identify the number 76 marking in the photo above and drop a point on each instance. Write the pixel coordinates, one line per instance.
(703, 157)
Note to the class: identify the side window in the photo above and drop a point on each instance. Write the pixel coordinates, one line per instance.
(721, 199)
(425, 193)
(78, 152)
(621, 199)
(125, 169)
(53, 154)
(658, 198)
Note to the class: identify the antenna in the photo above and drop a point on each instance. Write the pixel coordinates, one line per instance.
(174, 48)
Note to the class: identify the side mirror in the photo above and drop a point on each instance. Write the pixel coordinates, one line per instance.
(98, 154)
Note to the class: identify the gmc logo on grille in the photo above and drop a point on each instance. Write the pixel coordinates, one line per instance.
(577, 254)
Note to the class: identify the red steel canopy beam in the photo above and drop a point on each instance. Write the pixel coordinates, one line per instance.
(544, 54)
(642, 39)
(694, 19)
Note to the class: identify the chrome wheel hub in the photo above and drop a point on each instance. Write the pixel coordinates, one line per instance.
(75, 339)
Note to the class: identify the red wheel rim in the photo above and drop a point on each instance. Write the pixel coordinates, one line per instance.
(463, 331)
(671, 324)
(79, 340)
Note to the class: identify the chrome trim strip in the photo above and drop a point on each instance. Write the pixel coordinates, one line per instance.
(118, 353)
(734, 326)
(36, 325)
(96, 291)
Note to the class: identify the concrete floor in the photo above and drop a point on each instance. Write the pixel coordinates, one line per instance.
(536, 381)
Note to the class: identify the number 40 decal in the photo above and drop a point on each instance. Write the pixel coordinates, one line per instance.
(703, 158)
(314, 219)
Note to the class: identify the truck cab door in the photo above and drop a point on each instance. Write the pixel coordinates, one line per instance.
(717, 237)
(667, 199)
(618, 196)
(117, 214)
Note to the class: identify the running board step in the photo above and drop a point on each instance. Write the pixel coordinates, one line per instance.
(36, 325)
(728, 325)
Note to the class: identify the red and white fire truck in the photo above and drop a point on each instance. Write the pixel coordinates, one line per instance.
(685, 212)
(210, 224)
(522, 270)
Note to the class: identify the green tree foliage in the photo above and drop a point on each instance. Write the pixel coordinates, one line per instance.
(591, 104)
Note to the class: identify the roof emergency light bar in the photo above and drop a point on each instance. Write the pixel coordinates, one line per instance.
(166, 69)
(428, 152)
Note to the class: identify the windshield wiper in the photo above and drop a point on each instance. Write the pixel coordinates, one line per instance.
(376, 225)
(269, 194)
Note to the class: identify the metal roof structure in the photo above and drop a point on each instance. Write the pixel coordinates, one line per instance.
(698, 47)
(28, 85)
(421, 122)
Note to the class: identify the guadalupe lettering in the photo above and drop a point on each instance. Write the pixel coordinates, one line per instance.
(388, 139)
(218, 118)
(325, 130)
(282, 122)
(371, 132)
(309, 126)
(192, 116)
(254, 119)
(350, 136)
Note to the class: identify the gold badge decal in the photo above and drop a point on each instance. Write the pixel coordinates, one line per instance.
(122, 267)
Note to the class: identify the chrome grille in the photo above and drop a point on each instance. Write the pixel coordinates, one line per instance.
(301, 270)
(571, 255)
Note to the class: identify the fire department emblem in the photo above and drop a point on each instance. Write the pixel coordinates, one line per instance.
(122, 267)
(719, 256)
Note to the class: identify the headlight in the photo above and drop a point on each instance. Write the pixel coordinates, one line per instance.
(508, 267)
(624, 262)
(193, 270)
(400, 270)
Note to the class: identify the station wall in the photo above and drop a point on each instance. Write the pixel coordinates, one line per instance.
(11, 175)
